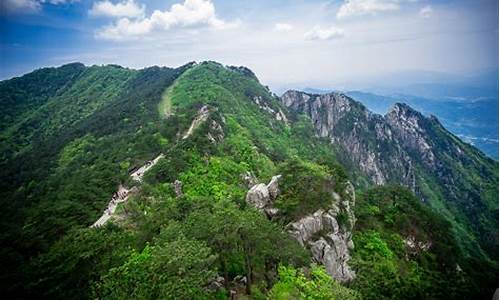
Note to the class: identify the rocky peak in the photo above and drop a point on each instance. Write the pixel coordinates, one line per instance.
(401, 114)
(325, 110)
(295, 99)
(412, 131)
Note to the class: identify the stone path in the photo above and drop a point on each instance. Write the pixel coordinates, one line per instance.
(201, 117)
(120, 196)
(123, 193)
(139, 173)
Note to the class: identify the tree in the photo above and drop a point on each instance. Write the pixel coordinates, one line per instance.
(294, 284)
(65, 271)
(178, 269)
(247, 242)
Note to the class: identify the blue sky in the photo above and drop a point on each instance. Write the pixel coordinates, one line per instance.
(287, 43)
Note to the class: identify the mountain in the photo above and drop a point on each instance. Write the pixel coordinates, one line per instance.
(197, 182)
(474, 121)
(408, 148)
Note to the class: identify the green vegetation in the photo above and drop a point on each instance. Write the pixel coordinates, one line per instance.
(293, 284)
(405, 250)
(66, 146)
(307, 187)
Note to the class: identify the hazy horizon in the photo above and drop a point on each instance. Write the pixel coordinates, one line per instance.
(318, 44)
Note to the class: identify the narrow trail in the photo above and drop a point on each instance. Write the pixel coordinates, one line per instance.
(123, 192)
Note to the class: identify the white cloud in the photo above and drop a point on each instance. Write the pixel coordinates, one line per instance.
(283, 27)
(127, 8)
(426, 12)
(352, 8)
(191, 13)
(318, 33)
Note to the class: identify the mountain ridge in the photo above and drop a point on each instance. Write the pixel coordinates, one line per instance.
(224, 131)
(393, 147)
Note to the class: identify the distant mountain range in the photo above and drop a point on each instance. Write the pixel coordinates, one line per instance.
(472, 117)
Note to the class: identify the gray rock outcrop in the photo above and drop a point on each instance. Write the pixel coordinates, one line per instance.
(370, 141)
(273, 187)
(178, 188)
(258, 196)
(328, 241)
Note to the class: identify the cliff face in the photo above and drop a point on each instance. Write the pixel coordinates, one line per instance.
(413, 150)
(367, 138)
(327, 233)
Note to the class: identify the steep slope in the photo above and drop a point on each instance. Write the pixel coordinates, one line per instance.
(191, 229)
(76, 133)
(473, 120)
(407, 148)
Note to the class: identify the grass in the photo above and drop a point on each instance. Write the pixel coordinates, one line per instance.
(165, 105)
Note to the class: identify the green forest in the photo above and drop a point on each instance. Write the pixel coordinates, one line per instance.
(69, 136)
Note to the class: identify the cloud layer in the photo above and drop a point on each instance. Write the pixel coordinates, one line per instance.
(126, 8)
(351, 8)
(191, 13)
(319, 33)
(27, 6)
(426, 12)
(283, 27)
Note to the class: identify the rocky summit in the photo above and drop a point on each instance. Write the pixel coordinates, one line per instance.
(198, 182)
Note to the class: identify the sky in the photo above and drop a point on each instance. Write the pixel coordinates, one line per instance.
(287, 43)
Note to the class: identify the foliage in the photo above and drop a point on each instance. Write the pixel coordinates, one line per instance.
(66, 270)
(71, 135)
(307, 187)
(318, 285)
(178, 269)
(388, 267)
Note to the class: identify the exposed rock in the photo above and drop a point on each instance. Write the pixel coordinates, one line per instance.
(415, 247)
(215, 133)
(271, 212)
(217, 283)
(262, 196)
(280, 116)
(333, 252)
(328, 241)
(258, 196)
(178, 188)
(273, 187)
(249, 179)
(240, 279)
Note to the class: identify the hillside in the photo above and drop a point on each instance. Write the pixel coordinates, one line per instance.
(407, 148)
(211, 186)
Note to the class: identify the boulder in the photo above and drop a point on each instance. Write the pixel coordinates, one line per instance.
(258, 196)
(273, 187)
